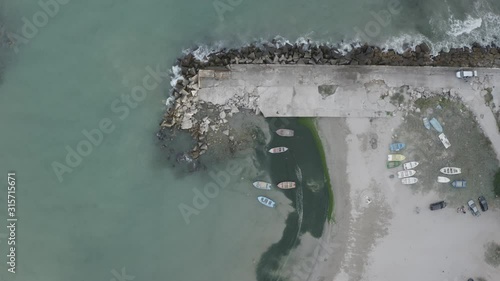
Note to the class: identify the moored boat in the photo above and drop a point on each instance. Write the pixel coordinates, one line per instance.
(436, 125)
(395, 157)
(394, 147)
(279, 149)
(443, 179)
(450, 170)
(266, 201)
(262, 185)
(406, 173)
(444, 140)
(459, 184)
(427, 125)
(393, 164)
(409, 180)
(285, 132)
(286, 185)
(410, 165)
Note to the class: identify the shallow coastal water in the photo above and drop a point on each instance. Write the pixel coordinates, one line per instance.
(116, 209)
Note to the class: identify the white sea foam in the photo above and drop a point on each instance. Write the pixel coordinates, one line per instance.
(459, 27)
(176, 75)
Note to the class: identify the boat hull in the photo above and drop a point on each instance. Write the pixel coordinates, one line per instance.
(393, 164)
(410, 165)
(436, 125)
(406, 173)
(409, 180)
(266, 201)
(395, 147)
(279, 149)
(395, 157)
(285, 132)
(444, 140)
(262, 185)
(450, 170)
(286, 185)
(459, 184)
(443, 180)
(427, 125)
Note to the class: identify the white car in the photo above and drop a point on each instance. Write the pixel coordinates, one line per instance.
(466, 73)
(473, 208)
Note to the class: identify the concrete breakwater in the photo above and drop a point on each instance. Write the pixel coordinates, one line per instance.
(206, 119)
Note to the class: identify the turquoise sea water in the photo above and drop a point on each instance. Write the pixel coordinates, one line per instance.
(114, 213)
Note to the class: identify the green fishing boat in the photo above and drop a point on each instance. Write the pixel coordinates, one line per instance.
(393, 164)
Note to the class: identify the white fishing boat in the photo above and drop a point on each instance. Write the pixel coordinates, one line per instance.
(266, 201)
(279, 149)
(262, 185)
(443, 180)
(410, 165)
(444, 140)
(395, 157)
(286, 185)
(427, 124)
(450, 170)
(409, 180)
(406, 173)
(285, 132)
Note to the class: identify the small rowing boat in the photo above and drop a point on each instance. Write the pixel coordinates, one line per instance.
(436, 125)
(406, 173)
(279, 149)
(444, 140)
(409, 180)
(286, 185)
(395, 157)
(443, 180)
(266, 201)
(395, 147)
(262, 185)
(285, 132)
(427, 125)
(410, 165)
(393, 164)
(450, 170)
(459, 184)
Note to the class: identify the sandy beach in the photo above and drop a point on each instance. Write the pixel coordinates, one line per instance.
(383, 229)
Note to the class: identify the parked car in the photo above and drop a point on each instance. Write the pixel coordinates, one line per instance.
(482, 203)
(473, 208)
(466, 73)
(437, 206)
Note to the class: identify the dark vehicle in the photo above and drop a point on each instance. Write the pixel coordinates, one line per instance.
(437, 205)
(482, 203)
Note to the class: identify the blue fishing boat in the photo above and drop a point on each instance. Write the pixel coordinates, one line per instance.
(436, 125)
(459, 184)
(266, 201)
(396, 146)
(427, 125)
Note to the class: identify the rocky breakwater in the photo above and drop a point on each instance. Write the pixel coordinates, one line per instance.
(207, 122)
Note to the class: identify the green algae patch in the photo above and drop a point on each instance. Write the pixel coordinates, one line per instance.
(310, 124)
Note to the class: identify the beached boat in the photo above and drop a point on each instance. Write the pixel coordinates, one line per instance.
(450, 170)
(436, 125)
(286, 185)
(409, 180)
(395, 157)
(262, 185)
(443, 180)
(393, 164)
(279, 149)
(410, 165)
(444, 140)
(266, 201)
(394, 147)
(285, 132)
(427, 125)
(406, 173)
(459, 184)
